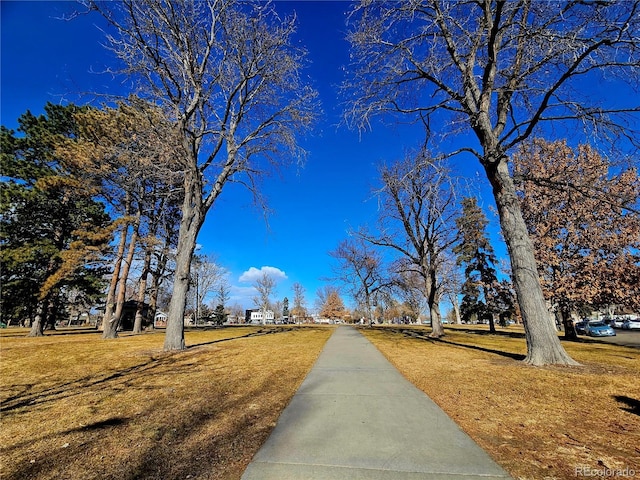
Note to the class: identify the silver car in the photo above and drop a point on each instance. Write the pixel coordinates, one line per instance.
(629, 324)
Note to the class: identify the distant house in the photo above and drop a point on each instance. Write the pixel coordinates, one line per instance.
(160, 320)
(234, 319)
(256, 316)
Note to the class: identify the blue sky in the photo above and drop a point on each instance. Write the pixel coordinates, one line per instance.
(44, 58)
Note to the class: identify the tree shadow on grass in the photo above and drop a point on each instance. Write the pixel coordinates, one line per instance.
(632, 404)
(171, 455)
(514, 356)
(91, 427)
(502, 353)
(109, 422)
(31, 395)
(502, 333)
(265, 331)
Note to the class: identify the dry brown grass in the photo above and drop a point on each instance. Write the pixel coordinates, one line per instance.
(538, 423)
(78, 407)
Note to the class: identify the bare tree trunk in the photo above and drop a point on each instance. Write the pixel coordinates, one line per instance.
(53, 307)
(456, 309)
(156, 278)
(491, 318)
(492, 323)
(43, 307)
(569, 328)
(437, 330)
(453, 298)
(153, 301)
(433, 299)
(142, 292)
(369, 309)
(110, 329)
(543, 344)
(113, 285)
(192, 219)
(37, 326)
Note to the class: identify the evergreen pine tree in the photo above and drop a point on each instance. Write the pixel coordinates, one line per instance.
(475, 253)
(219, 315)
(53, 236)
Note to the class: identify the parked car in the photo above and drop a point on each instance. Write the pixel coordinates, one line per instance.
(580, 328)
(599, 329)
(629, 324)
(617, 323)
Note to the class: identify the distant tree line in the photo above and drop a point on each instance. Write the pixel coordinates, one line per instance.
(581, 211)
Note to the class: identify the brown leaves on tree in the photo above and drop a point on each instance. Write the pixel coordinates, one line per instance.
(582, 213)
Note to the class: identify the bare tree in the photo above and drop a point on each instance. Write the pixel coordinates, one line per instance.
(229, 77)
(237, 311)
(222, 292)
(299, 309)
(417, 220)
(162, 215)
(206, 275)
(265, 286)
(452, 280)
(277, 310)
(500, 71)
(410, 287)
(360, 268)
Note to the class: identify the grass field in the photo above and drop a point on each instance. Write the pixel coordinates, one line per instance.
(78, 407)
(537, 422)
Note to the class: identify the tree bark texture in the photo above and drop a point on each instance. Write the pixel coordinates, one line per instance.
(437, 330)
(543, 344)
(111, 327)
(190, 224)
(433, 299)
(37, 326)
(115, 276)
(142, 292)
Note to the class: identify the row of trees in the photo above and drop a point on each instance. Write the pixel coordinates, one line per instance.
(580, 209)
(228, 76)
(219, 99)
(328, 303)
(54, 237)
(111, 202)
(222, 89)
(429, 231)
(494, 74)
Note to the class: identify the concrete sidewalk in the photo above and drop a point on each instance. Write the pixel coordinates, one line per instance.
(356, 417)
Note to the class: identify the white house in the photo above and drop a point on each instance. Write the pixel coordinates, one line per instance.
(160, 319)
(256, 316)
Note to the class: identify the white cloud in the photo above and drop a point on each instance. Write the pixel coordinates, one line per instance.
(254, 274)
